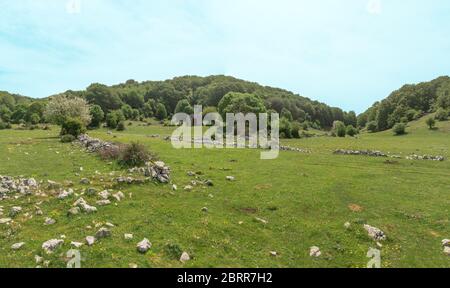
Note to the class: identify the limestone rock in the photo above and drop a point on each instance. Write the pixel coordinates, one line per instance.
(185, 257)
(17, 246)
(51, 245)
(144, 246)
(375, 233)
(103, 233)
(49, 221)
(315, 252)
(90, 240)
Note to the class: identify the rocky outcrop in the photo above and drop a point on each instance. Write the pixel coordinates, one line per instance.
(95, 145)
(425, 158)
(10, 186)
(158, 171)
(369, 153)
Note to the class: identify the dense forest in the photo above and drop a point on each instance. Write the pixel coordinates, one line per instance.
(187, 91)
(409, 103)
(134, 100)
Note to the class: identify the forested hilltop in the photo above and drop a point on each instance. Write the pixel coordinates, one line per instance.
(409, 103)
(187, 91)
(134, 100)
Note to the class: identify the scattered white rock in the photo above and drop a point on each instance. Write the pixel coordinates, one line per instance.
(128, 236)
(103, 233)
(447, 251)
(119, 196)
(38, 259)
(347, 225)
(174, 187)
(103, 203)
(15, 211)
(375, 233)
(83, 205)
(51, 245)
(446, 242)
(65, 194)
(185, 257)
(144, 246)
(74, 211)
(315, 252)
(5, 220)
(104, 195)
(273, 253)
(263, 221)
(231, 178)
(90, 240)
(17, 246)
(76, 244)
(188, 188)
(49, 221)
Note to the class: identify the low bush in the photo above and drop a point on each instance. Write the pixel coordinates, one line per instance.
(4, 125)
(372, 126)
(72, 127)
(173, 251)
(441, 115)
(67, 138)
(121, 126)
(134, 155)
(399, 129)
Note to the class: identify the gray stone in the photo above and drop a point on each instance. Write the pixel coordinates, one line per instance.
(49, 221)
(85, 181)
(76, 244)
(144, 246)
(185, 257)
(90, 240)
(51, 245)
(15, 211)
(103, 233)
(315, 252)
(375, 233)
(74, 211)
(17, 246)
(5, 220)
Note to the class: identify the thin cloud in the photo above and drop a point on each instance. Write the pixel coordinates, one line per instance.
(374, 7)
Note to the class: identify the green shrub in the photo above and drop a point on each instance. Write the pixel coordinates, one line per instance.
(431, 123)
(296, 127)
(351, 131)
(97, 116)
(135, 155)
(35, 119)
(161, 112)
(112, 120)
(72, 127)
(372, 126)
(339, 129)
(442, 114)
(399, 129)
(4, 125)
(67, 138)
(173, 251)
(121, 126)
(285, 128)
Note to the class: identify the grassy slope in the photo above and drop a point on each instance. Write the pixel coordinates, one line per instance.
(304, 197)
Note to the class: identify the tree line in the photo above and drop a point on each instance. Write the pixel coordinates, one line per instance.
(134, 100)
(409, 103)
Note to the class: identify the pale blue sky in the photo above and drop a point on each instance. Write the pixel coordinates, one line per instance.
(347, 53)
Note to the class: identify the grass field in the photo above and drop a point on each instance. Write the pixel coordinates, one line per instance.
(304, 197)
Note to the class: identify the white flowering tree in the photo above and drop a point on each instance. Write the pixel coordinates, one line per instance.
(63, 107)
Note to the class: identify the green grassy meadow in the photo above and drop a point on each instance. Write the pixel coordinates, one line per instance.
(304, 197)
